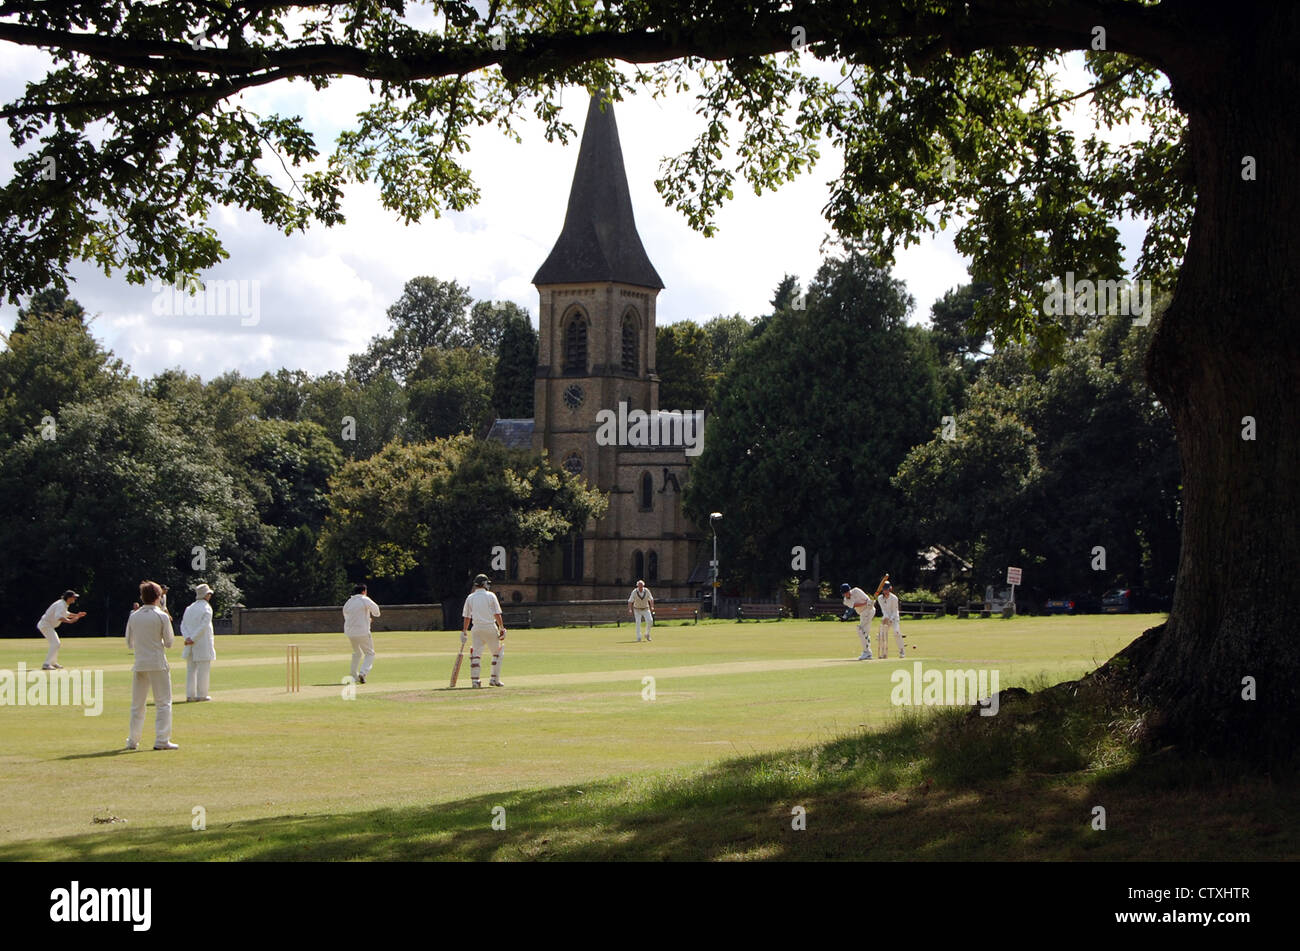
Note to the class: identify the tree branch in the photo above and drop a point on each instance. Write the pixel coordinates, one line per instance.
(1140, 31)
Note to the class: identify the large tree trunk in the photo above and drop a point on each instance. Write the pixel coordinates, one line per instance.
(1227, 349)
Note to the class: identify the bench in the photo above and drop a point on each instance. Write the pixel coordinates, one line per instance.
(670, 612)
(828, 607)
(754, 612)
(517, 618)
(920, 609)
(590, 617)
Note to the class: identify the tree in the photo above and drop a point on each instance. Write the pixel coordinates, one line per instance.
(430, 313)
(516, 370)
(961, 350)
(50, 360)
(293, 570)
(449, 393)
(947, 111)
(1043, 466)
(488, 322)
(726, 334)
(804, 440)
(281, 395)
(124, 492)
(429, 514)
(293, 463)
(682, 355)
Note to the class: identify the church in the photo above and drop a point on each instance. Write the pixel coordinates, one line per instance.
(596, 363)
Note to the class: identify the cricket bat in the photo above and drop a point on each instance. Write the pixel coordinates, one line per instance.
(880, 587)
(455, 671)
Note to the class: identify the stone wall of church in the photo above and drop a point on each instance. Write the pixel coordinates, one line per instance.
(567, 427)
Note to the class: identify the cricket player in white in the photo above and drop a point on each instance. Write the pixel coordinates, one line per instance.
(889, 618)
(357, 612)
(482, 618)
(860, 601)
(200, 645)
(57, 613)
(149, 634)
(641, 605)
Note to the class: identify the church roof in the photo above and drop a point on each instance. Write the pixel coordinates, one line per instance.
(513, 433)
(599, 241)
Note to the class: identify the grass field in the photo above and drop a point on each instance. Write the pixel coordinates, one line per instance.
(747, 722)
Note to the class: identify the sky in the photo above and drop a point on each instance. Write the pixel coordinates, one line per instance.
(322, 294)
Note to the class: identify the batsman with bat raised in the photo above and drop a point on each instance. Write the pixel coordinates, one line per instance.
(865, 605)
(482, 618)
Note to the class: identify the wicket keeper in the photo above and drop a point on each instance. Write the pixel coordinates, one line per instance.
(889, 618)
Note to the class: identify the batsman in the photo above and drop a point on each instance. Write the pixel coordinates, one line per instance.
(482, 618)
(865, 605)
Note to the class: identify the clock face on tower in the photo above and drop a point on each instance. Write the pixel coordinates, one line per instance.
(573, 395)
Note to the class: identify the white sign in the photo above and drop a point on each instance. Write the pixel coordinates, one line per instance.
(1013, 576)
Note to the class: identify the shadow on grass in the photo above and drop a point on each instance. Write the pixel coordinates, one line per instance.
(113, 752)
(1026, 784)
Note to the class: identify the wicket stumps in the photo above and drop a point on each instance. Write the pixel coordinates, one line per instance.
(292, 669)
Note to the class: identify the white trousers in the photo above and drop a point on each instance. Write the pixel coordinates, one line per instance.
(882, 635)
(643, 616)
(864, 629)
(51, 655)
(363, 654)
(484, 639)
(197, 674)
(160, 682)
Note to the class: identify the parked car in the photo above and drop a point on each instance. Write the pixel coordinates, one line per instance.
(1125, 600)
(1079, 603)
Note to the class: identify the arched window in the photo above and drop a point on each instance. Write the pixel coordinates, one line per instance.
(638, 566)
(575, 344)
(652, 567)
(647, 491)
(631, 361)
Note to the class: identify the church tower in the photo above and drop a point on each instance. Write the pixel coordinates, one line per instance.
(596, 322)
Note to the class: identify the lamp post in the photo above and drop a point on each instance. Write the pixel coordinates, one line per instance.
(713, 519)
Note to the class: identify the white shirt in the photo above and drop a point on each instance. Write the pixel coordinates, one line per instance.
(889, 605)
(859, 600)
(640, 599)
(54, 615)
(481, 608)
(196, 624)
(149, 634)
(357, 613)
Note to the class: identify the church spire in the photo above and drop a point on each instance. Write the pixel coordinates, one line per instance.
(599, 241)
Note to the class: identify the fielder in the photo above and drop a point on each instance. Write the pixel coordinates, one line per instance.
(482, 613)
(57, 613)
(860, 601)
(200, 646)
(641, 605)
(357, 612)
(149, 634)
(889, 618)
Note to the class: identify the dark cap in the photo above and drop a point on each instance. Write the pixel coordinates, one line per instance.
(482, 581)
(845, 586)
(70, 594)
(885, 585)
